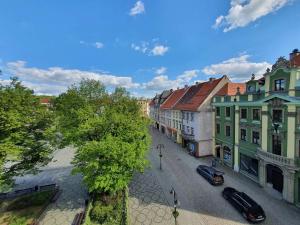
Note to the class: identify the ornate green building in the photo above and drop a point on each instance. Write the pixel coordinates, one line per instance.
(257, 132)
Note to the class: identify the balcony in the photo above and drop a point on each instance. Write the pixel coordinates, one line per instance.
(186, 136)
(279, 160)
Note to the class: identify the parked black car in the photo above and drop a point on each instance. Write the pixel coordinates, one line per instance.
(250, 210)
(213, 176)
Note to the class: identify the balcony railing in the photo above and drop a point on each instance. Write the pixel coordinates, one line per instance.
(276, 159)
(187, 136)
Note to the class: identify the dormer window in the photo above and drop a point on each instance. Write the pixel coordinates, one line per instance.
(250, 88)
(279, 85)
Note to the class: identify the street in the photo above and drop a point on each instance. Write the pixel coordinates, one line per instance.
(200, 202)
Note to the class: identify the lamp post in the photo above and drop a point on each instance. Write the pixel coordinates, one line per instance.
(160, 146)
(176, 203)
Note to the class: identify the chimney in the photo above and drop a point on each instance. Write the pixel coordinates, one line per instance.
(295, 58)
(171, 90)
(186, 86)
(197, 82)
(211, 79)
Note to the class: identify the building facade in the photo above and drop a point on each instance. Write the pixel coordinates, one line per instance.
(258, 133)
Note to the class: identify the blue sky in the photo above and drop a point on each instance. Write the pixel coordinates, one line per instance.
(145, 46)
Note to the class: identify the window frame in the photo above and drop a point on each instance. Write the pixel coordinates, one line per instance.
(241, 113)
(280, 84)
(255, 141)
(274, 116)
(227, 109)
(259, 114)
(245, 135)
(218, 128)
(226, 134)
(218, 111)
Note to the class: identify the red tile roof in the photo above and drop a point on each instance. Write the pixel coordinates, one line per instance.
(173, 98)
(151, 102)
(231, 89)
(196, 95)
(45, 100)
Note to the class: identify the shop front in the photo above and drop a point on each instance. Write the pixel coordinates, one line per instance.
(249, 165)
(227, 156)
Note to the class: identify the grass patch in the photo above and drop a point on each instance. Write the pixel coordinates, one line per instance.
(23, 210)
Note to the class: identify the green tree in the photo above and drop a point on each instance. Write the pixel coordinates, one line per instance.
(111, 135)
(24, 129)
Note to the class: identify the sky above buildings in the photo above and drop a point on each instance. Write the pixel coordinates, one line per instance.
(145, 46)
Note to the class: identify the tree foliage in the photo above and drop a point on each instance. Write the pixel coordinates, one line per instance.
(110, 133)
(24, 129)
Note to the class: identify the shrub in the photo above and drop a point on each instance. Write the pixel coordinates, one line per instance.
(101, 213)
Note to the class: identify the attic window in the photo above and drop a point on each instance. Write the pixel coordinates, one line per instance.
(279, 85)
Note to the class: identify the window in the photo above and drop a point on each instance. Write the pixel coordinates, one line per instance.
(183, 127)
(192, 116)
(298, 148)
(255, 137)
(218, 111)
(188, 129)
(183, 115)
(218, 128)
(279, 85)
(192, 130)
(228, 131)
(243, 113)
(256, 114)
(180, 126)
(227, 111)
(249, 165)
(276, 141)
(243, 134)
(277, 116)
(187, 116)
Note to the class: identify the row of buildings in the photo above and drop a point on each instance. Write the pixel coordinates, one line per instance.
(252, 127)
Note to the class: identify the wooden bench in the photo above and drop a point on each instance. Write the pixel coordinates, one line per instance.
(78, 219)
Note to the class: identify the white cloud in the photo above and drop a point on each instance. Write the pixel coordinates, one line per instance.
(151, 49)
(239, 68)
(159, 50)
(243, 12)
(99, 45)
(96, 44)
(162, 82)
(55, 80)
(138, 8)
(161, 70)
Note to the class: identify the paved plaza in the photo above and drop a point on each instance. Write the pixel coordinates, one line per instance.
(72, 198)
(200, 202)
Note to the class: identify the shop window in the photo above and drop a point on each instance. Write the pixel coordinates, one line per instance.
(249, 165)
(277, 115)
(243, 134)
(228, 131)
(255, 137)
(276, 144)
(279, 85)
(227, 111)
(243, 113)
(227, 154)
(218, 111)
(218, 128)
(256, 114)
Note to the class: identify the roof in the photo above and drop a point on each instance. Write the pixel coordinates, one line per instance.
(151, 102)
(173, 98)
(196, 95)
(45, 100)
(231, 89)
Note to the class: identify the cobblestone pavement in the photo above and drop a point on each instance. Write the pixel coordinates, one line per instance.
(147, 202)
(71, 200)
(200, 202)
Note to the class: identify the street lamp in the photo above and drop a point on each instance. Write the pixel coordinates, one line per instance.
(176, 203)
(160, 146)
